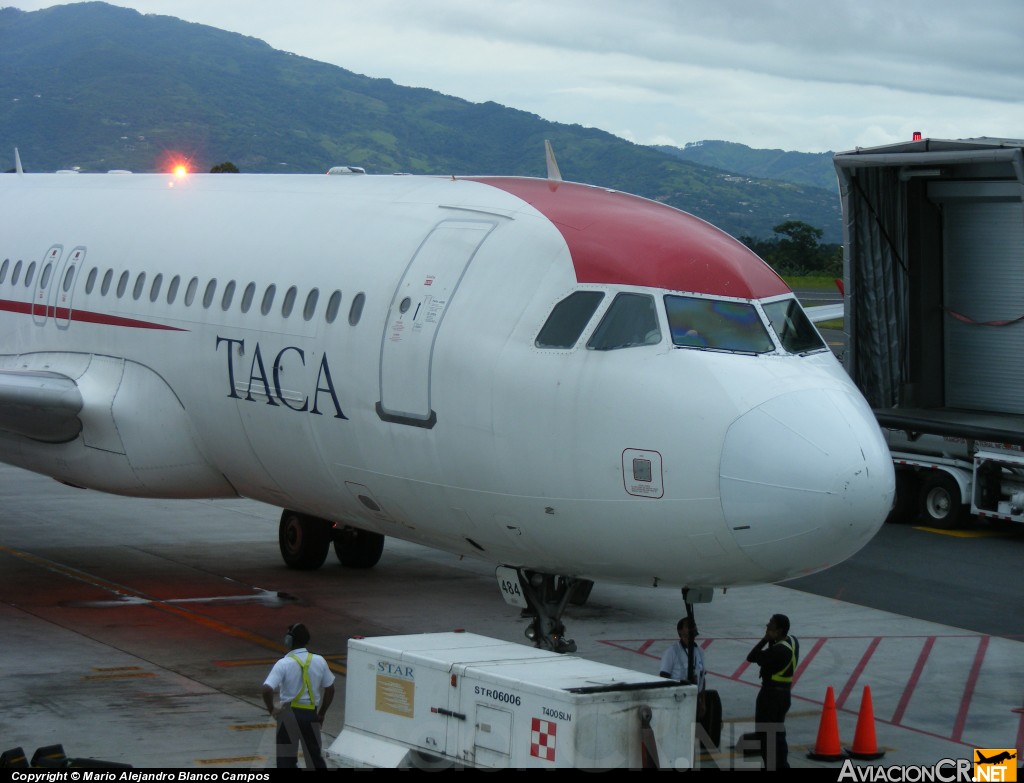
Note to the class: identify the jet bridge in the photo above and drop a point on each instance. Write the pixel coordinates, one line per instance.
(934, 315)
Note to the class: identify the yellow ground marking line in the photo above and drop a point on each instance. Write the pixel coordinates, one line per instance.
(69, 572)
(163, 606)
(960, 533)
(246, 662)
(231, 760)
(240, 662)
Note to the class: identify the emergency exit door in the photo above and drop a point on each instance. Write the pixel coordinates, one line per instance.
(417, 310)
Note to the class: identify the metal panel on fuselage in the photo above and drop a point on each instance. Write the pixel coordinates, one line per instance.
(40, 303)
(231, 230)
(417, 310)
(62, 286)
(450, 463)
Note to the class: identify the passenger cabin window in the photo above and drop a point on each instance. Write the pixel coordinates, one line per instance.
(211, 290)
(122, 284)
(3, 269)
(140, 283)
(333, 304)
(108, 278)
(717, 325)
(44, 278)
(794, 329)
(247, 296)
(631, 321)
(172, 289)
(355, 312)
(268, 299)
(310, 309)
(229, 293)
(16, 273)
(30, 273)
(90, 281)
(190, 292)
(154, 291)
(289, 301)
(69, 278)
(568, 320)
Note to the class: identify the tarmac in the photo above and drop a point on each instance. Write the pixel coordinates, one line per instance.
(139, 632)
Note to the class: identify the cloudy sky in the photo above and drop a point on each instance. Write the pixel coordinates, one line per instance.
(807, 75)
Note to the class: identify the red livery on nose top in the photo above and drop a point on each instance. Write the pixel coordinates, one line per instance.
(627, 240)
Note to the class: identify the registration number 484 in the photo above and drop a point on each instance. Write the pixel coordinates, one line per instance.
(508, 583)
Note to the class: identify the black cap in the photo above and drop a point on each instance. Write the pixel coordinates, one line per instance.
(299, 634)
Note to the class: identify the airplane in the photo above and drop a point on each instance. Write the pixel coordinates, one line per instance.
(996, 759)
(570, 382)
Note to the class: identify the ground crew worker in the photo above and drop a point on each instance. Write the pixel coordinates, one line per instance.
(306, 687)
(675, 662)
(777, 654)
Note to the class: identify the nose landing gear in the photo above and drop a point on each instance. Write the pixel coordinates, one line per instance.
(547, 596)
(543, 598)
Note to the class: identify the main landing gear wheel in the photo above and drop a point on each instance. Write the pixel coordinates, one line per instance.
(357, 548)
(939, 502)
(304, 540)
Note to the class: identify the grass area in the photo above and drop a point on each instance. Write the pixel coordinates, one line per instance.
(817, 283)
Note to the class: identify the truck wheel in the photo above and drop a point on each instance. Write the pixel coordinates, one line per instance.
(939, 502)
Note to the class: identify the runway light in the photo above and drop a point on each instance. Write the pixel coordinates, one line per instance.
(180, 170)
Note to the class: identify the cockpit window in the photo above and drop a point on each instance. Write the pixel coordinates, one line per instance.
(716, 325)
(794, 328)
(631, 321)
(568, 320)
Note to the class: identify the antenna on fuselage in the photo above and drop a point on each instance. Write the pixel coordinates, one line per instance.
(553, 173)
(17, 163)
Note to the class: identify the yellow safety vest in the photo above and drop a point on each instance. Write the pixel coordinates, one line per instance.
(782, 676)
(305, 684)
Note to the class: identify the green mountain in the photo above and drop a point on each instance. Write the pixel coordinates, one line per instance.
(100, 87)
(814, 169)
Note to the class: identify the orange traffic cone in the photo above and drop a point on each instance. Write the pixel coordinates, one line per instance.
(864, 745)
(827, 747)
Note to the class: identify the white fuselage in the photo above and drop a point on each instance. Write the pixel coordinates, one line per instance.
(431, 415)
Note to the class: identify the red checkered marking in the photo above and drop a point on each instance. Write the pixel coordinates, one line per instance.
(542, 739)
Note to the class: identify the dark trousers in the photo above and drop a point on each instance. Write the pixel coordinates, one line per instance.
(770, 722)
(294, 726)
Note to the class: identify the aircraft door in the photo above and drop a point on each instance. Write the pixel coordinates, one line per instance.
(44, 284)
(62, 287)
(417, 309)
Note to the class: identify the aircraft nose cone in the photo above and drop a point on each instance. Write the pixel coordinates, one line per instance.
(806, 480)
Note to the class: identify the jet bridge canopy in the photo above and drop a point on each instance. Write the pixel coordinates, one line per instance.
(934, 275)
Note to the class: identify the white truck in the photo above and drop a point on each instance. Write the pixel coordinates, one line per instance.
(934, 318)
(459, 700)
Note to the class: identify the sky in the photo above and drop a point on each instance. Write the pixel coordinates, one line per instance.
(804, 75)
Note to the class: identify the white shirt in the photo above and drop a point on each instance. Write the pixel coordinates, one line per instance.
(286, 677)
(674, 661)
